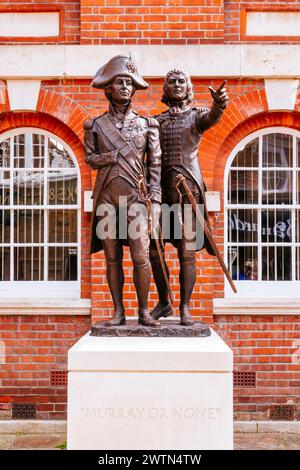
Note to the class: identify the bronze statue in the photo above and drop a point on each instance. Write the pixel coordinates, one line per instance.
(181, 128)
(124, 147)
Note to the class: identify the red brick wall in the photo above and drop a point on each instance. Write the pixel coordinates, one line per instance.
(34, 346)
(151, 22)
(268, 346)
(70, 19)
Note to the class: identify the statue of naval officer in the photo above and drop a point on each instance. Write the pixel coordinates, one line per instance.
(124, 147)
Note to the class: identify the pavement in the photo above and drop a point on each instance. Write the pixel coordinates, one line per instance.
(242, 441)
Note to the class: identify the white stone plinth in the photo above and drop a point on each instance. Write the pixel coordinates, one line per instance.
(150, 393)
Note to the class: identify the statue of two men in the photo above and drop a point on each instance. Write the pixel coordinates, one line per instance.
(138, 160)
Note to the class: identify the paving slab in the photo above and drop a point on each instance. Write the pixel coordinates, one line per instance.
(242, 441)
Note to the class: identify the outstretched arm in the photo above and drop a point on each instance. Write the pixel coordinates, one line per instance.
(208, 118)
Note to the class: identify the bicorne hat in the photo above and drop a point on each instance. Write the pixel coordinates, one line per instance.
(118, 65)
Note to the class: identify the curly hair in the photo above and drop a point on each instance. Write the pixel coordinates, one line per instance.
(190, 94)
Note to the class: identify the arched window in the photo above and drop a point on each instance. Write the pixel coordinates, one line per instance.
(262, 213)
(40, 215)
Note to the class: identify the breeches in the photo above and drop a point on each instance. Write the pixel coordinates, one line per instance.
(122, 219)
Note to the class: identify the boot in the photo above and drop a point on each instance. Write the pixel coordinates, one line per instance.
(115, 278)
(185, 316)
(163, 307)
(117, 319)
(187, 278)
(141, 278)
(145, 319)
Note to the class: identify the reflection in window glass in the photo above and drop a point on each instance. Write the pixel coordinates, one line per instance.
(58, 156)
(277, 187)
(19, 152)
(62, 264)
(243, 187)
(277, 150)
(62, 187)
(276, 263)
(62, 226)
(4, 226)
(248, 156)
(4, 263)
(29, 226)
(243, 263)
(28, 188)
(28, 263)
(276, 226)
(242, 225)
(5, 153)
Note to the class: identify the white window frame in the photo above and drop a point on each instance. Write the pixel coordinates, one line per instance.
(260, 289)
(45, 288)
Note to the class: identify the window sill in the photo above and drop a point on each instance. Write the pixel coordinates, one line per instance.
(247, 306)
(45, 306)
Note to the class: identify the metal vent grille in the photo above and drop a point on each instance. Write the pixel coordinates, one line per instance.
(23, 411)
(58, 378)
(282, 412)
(244, 379)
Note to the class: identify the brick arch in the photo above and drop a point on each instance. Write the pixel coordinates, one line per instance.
(64, 109)
(260, 121)
(238, 111)
(12, 120)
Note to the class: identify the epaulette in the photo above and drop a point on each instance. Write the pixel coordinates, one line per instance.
(88, 124)
(152, 122)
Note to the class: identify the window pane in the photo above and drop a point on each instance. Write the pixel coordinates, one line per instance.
(277, 187)
(38, 150)
(58, 156)
(248, 156)
(5, 153)
(28, 188)
(4, 187)
(4, 226)
(29, 226)
(298, 263)
(243, 264)
(19, 151)
(29, 263)
(242, 225)
(4, 263)
(62, 226)
(277, 150)
(62, 187)
(276, 226)
(243, 187)
(276, 263)
(298, 187)
(297, 229)
(298, 152)
(62, 264)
